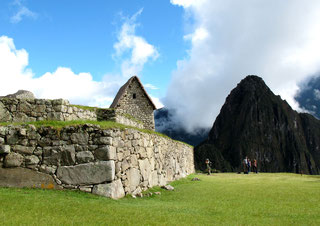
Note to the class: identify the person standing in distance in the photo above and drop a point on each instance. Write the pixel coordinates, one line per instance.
(208, 166)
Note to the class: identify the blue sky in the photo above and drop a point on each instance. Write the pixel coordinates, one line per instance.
(80, 35)
(189, 54)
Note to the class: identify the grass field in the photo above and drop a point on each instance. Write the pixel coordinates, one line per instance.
(219, 199)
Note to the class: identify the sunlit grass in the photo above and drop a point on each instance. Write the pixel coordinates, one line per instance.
(219, 199)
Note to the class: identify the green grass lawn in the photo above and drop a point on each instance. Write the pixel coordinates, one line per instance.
(219, 199)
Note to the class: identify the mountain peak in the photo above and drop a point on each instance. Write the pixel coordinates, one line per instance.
(254, 122)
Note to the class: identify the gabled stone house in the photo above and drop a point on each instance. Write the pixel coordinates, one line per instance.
(133, 99)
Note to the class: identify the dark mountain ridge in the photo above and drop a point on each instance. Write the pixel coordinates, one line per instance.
(256, 123)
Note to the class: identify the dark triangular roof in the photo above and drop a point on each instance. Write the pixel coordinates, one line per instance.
(123, 89)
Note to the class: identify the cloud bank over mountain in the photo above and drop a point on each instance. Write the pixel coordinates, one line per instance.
(229, 39)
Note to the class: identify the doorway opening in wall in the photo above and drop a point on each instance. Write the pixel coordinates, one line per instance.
(134, 96)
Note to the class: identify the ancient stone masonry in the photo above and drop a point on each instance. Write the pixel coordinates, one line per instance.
(29, 110)
(108, 162)
(134, 100)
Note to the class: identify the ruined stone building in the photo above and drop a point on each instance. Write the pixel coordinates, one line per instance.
(133, 99)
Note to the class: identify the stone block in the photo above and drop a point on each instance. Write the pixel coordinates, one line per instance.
(60, 102)
(105, 140)
(48, 169)
(153, 179)
(31, 160)
(5, 115)
(68, 155)
(80, 138)
(113, 190)
(133, 176)
(3, 130)
(60, 108)
(4, 149)
(105, 153)
(145, 169)
(22, 177)
(84, 157)
(12, 138)
(125, 165)
(13, 160)
(40, 108)
(23, 149)
(85, 189)
(88, 173)
(58, 116)
(51, 155)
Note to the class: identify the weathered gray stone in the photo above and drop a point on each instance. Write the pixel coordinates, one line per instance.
(51, 155)
(125, 165)
(48, 169)
(84, 157)
(85, 189)
(4, 149)
(105, 153)
(22, 177)
(153, 179)
(68, 155)
(133, 160)
(58, 116)
(105, 140)
(112, 190)
(162, 180)
(80, 138)
(88, 173)
(31, 160)
(21, 94)
(118, 167)
(60, 108)
(13, 160)
(137, 192)
(23, 149)
(144, 166)
(5, 115)
(12, 138)
(133, 176)
(60, 102)
(3, 130)
(168, 187)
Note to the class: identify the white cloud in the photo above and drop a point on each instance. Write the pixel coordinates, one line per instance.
(63, 83)
(316, 94)
(23, 11)
(157, 102)
(150, 86)
(277, 40)
(138, 49)
(199, 35)
(187, 3)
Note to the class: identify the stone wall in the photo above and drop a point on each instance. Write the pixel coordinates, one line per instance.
(29, 110)
(135, 103)
(117, 115)
(109, 162)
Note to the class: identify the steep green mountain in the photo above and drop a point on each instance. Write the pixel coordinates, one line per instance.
(256, 123)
